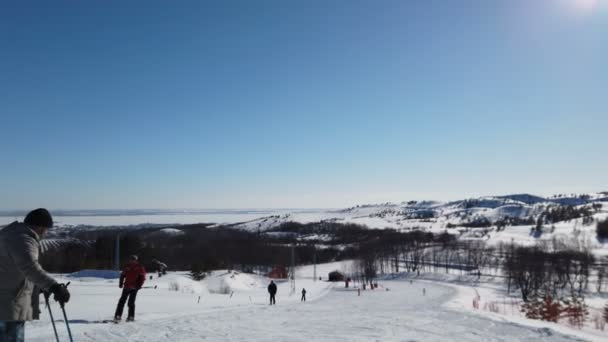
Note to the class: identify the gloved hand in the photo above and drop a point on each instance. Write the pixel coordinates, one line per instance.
(120, 285)
(60, 293)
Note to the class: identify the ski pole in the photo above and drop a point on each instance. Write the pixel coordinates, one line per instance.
(65, 316)
(46, 298)
(67, 324)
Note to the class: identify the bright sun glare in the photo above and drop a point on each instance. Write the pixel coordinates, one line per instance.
(585, 5)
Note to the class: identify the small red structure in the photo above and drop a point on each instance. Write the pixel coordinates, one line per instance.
(278, 272)
(336, 276)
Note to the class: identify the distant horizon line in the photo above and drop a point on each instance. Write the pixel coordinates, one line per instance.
(59, 212)
(8, 211)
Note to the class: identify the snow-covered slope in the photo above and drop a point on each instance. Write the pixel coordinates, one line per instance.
(397, 311)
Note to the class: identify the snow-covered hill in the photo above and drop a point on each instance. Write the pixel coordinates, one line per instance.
(494, 219)
(430, 215)
(569, 220)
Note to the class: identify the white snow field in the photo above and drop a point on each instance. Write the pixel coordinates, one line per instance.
(102, 218)
(397, 311)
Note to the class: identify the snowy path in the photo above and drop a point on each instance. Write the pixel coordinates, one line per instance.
(401, 314)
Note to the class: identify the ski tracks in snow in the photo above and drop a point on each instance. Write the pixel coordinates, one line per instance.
(401, 314)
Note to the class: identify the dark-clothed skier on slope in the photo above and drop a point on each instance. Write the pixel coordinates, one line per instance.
(272, 290)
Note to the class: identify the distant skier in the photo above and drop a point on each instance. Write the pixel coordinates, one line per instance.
(272, 290)
(131, 280)
(20, 272)
(424, 291)
(161, 267)
(303, 295)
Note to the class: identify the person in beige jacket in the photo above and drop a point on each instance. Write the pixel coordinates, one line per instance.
(20, 272)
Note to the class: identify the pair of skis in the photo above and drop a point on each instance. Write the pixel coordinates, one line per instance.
(116, 321)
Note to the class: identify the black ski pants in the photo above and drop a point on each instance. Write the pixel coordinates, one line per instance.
(130, 294)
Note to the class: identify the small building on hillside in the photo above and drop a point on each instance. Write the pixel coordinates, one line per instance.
(336, 276)
(278, 272)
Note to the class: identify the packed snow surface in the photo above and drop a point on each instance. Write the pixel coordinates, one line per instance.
(397, 311)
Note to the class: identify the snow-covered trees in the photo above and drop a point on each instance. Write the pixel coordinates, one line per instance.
(572, 309)
(546, 309)
(575, 311)
(565, 213)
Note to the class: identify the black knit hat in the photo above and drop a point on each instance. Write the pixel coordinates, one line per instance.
(39, 217)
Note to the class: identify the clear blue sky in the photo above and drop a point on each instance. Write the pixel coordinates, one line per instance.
(233, 104)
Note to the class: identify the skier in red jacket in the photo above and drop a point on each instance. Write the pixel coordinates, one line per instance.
(131, 280)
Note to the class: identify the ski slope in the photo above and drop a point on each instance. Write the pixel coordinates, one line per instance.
(397, 311)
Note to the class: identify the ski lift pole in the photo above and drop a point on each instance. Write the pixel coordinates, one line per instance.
(46, 299)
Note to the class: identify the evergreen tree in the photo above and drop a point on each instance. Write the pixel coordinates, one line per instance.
(197, 272)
